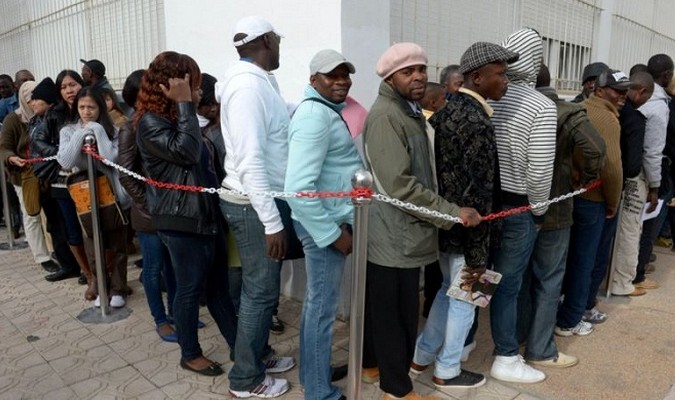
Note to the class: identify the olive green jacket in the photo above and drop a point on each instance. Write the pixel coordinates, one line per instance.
(398, 155)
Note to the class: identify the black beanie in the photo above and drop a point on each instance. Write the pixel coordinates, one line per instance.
(45, 90)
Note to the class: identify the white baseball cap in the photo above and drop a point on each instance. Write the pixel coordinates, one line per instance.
(253, 27)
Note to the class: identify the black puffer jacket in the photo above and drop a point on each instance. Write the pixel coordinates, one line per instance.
(175, 153)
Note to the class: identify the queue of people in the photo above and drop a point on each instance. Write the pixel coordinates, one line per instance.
(492, 136)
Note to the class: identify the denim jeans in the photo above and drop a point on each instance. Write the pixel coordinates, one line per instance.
(259, 295)
(448, 325)
(650, 231)
(199, 260)
(156, 260)
(518, 236)
(540, 293)
(72, 224)
(601, 260)
(589, 221)
(324, 268)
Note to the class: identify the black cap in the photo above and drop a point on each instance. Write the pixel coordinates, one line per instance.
(45, 90)
(613, 78)
(95, 66)
(592, 71)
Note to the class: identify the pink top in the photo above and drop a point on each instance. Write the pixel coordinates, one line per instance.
(355, 116)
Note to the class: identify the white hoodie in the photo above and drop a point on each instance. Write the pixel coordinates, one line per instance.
(254, 121)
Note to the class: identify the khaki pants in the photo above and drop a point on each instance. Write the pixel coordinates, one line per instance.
(629, 228)
(32, 226)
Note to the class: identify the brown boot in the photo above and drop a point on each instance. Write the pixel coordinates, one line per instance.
(82, 260)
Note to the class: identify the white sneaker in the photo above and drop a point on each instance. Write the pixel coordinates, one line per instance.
(275, 364)
(268, 388)
(97, 302)
(583, 328)
(514, 369)
(466, 351)
(117, 301)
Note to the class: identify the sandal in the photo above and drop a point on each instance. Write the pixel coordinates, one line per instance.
(214, 369)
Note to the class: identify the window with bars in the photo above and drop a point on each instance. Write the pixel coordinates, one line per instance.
(566, 62)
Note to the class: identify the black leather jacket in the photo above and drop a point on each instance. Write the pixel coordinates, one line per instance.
(44, 142)
(173, 153)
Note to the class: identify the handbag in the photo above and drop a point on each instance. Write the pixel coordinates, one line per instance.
(111, 215)
(30, 192)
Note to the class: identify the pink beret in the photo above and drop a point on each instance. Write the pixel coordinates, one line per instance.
(399, 56)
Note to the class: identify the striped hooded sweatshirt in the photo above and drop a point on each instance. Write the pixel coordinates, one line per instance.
(525, 124)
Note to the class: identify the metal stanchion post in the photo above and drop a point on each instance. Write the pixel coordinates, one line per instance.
(5, 206)
(90, 140)
(361, 180)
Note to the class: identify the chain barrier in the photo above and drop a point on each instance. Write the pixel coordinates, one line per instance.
(355, 193)
(38, 159)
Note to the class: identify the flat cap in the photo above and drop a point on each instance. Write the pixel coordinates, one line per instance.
(399, 56)
(483, 53)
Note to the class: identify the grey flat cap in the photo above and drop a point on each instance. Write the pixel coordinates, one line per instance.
(483, 53)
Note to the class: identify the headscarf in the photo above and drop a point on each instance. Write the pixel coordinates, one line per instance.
(25, 92)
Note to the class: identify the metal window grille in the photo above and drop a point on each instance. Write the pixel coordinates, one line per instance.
(47, 36)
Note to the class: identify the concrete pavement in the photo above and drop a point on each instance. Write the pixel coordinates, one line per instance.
(47, 353)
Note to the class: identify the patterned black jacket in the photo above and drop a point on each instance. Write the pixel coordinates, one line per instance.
(466, 168)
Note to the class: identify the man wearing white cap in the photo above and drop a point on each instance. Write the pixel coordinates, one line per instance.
(400, 242)
(322, 157)
(254, 121)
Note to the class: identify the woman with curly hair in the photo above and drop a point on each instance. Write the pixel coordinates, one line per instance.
(190, 224)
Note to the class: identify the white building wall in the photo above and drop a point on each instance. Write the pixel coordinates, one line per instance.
(203, 29)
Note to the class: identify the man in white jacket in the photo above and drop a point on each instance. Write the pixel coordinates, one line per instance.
(254, 122)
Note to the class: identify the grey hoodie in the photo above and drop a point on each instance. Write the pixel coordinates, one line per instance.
(657, 112)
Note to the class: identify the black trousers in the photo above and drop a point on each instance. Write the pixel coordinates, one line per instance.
(390, 331)
(56, 226)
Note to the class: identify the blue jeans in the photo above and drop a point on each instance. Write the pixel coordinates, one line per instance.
(199, 260)
(650, 232)
(518, 236)
(72, 223)
(601, 260)
(324, 268)
(259, 295)
(156, 260)
(589, 221)
(448, 325)
(540, 295)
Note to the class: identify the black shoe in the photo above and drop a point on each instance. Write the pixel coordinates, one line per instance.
(50, 266)
(61, 275)
(343, 397)
(338, 373)
(465, 379)
(17, 233)
(277, 326)
(82, 280)
(139, 263)
(214, 369)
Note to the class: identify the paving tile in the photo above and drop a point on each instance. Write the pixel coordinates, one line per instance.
(143, 346)
(76, 342)
(19, 357)
(125, 382)
(88, 364)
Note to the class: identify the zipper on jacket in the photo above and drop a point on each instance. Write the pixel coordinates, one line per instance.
(182, 194)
